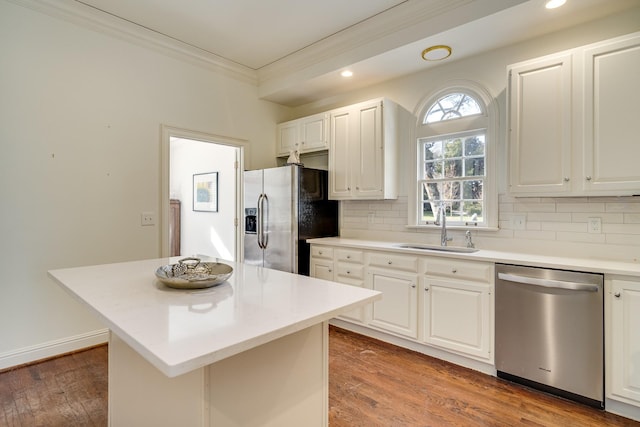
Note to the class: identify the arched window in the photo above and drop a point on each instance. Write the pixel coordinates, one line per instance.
(452, 106)
(454, 140)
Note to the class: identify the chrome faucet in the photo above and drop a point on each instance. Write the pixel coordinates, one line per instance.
(441, 220)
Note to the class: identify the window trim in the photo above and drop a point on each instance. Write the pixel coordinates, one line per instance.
(488, 120)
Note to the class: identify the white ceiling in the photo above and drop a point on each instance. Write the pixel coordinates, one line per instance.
(296, 48)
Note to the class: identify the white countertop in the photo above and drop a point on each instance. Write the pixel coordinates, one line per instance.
(547, 261)
(181, 330)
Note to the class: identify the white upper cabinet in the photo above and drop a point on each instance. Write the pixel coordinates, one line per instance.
(363, 151)
(571, 122)
(305, 135)
(540, 125)
(611, 99)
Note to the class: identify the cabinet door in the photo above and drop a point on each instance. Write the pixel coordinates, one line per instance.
(313, 133)
(367, 166)
(397, 311)
(359, 314)
(321, 269)
(540, 126)
(623, 326)
(457, 316)
(612, 91)
(340, 154)
(287, 137)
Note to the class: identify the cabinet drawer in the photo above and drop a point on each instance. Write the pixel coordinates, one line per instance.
(350, 255)
(456, 269)
(322, 252)
(397, 262)
(348, 270)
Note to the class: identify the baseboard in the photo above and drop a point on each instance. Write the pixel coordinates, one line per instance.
(52, 348)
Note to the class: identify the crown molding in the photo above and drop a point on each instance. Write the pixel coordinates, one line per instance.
(97, 20)
(370, 37)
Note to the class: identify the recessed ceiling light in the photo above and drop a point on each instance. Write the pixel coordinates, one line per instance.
(436, 53)
(346, 73)
(552, 4)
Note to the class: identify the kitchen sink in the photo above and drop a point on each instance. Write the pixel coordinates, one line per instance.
(457, 249)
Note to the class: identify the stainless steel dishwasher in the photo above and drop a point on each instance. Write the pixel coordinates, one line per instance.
(549, 331)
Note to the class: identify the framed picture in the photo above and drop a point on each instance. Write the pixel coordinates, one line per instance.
(205, 192)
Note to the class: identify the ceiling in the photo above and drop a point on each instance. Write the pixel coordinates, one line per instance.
(295, 49)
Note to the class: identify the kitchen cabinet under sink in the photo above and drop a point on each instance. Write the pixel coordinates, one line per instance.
(438, 302)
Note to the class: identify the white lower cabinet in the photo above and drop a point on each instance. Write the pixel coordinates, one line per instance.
(350, 271)
(397, 311)
(457, 316)
(321, 269)
(343, 266)
(431, 301)
(622, 332)
(457, 306)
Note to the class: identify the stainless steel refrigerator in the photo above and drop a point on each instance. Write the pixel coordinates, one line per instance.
(283, 207)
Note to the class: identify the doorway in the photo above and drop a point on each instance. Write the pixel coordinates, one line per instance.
(201, 191)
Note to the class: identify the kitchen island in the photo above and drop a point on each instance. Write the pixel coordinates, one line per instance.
(252, 351)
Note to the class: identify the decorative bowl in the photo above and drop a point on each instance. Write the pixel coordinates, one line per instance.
(192, 273)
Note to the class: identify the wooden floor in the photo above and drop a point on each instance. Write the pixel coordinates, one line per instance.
(371, 384)
(65, 391)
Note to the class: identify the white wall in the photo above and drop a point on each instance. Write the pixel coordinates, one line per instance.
(80, 120)
(557, 225)
(204, 233)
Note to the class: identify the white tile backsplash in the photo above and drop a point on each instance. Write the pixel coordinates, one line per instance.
(561, 222)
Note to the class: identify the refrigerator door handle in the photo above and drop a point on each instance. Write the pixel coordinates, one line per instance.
(265, 222)
(259, 222)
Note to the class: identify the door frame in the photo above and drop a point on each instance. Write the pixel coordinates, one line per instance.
(168, 132)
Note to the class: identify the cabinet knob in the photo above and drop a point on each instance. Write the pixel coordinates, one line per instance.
(588, 178)
(348, 272)
(453, 270)
(389, 262)
(348, 256)
(426, 289)
(357, 188)
(320, 252)
(330, 271)
(617, 295)
(567, 179)
(413, 286)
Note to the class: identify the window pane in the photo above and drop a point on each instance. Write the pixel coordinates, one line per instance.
(450, 190)
(473, 212)
(432, 150)
(452, 106)
(474, 146)
(454, 211)
(474, 167)
(453, 148)
(431, 191)
(428, 212)
(453, 168)
(472, 190)
(433, 170)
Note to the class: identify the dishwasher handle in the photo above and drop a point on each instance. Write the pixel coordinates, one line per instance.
(549, 283)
